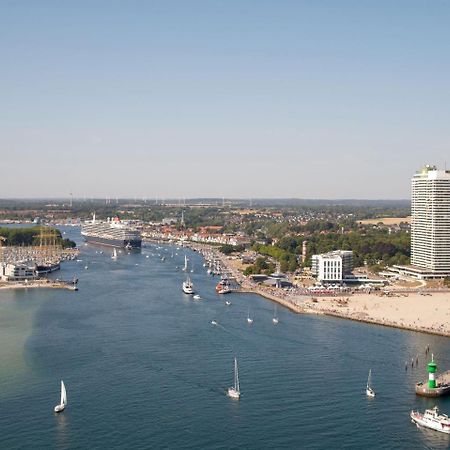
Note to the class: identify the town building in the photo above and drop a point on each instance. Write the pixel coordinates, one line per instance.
(17, 272)
(332, 267)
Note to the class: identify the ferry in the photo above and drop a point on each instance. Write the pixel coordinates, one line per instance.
(113, 232)
(432, 419)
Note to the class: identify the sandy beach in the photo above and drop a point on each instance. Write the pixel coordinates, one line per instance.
(427, 313)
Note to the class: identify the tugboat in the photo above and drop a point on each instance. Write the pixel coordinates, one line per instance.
(432, 419)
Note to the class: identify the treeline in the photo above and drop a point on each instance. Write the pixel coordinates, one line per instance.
(31, 236)
(375, 248)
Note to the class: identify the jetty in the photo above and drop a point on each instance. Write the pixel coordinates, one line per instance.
(436, 386)
(40, 283)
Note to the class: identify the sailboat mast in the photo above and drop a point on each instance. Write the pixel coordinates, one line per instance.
(236, 375)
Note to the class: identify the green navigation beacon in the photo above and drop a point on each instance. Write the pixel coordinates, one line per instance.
(432, 368)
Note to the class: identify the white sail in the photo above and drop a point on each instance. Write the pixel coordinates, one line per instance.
(63, 394)
(368, 378)
(236, 376)
(185, 263)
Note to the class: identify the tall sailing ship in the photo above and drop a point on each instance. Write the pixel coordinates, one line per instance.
(112, 232)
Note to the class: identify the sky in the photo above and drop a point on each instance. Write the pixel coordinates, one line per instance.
(230, 98)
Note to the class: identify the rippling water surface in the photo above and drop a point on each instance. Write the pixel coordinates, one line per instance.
(144, 368)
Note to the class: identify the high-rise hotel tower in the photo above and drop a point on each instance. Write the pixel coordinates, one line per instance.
(430, 223)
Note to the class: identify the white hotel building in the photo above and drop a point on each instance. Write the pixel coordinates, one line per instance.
(332, 267)
(430, 223)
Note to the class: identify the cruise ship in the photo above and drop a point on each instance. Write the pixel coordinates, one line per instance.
(112, 232)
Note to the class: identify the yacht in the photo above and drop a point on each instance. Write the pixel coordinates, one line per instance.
(63, 403)
(234, 392)
(369, 391)
(188, 286)
(431, 419)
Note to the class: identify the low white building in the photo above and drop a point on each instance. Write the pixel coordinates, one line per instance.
(17, 272)
(333, 266)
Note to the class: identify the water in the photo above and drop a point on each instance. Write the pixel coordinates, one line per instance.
(144, 368)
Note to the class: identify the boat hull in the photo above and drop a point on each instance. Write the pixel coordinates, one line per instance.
(59, 408)
(120, 243)
(42, 270)
(234, 394)
(417, 418)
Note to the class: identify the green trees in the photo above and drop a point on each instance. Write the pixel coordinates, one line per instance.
(261, 266)
(370, 246)
(30, 236)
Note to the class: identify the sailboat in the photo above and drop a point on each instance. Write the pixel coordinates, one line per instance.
(275, 317)
(249, 319)
(369, 391)
(185, 268)
(234, 392)
(62, 406)
(114, 254)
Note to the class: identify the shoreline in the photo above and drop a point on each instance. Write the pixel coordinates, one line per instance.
(410, 311)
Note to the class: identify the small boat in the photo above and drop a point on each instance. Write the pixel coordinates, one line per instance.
(223, 287)
(227, 302)
(249, 319)
(188, 286)
(275, 317)
(86, 267)
(196, 297)
(147, 256)
(213, 322)
(114, 254)
(431, 419)
(62, 406)
(369, 391)
(235, 392)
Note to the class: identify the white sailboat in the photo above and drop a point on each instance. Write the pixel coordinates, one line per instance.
(185, 268)
(114, 254)
(369, 391)
(249, 319)
(62, 406)
(235, 391)
(275, 317)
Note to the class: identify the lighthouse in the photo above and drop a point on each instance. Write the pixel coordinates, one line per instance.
(432, 367)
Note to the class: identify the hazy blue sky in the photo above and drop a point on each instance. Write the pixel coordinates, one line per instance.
(311, 99)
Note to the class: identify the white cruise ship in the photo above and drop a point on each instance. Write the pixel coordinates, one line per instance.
(112, 232)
